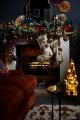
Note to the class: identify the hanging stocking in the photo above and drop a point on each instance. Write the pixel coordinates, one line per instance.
(46, 54)
(42, 41)
(57, 54)
(45, 47)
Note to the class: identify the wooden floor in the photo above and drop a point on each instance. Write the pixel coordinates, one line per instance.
(43, 97)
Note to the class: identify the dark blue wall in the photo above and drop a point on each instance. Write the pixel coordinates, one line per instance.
(74, 12)
(11, 9)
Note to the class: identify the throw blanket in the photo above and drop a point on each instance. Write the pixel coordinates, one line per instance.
(43, 112)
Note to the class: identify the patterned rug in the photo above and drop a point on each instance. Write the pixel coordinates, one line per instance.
(43, 112)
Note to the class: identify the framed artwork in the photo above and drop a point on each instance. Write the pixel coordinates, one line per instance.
(47, 14)
(28, 7)
(36, 13)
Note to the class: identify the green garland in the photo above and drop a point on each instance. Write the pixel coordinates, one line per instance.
(32, 28)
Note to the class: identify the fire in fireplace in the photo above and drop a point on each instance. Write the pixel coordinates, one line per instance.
(27, 61)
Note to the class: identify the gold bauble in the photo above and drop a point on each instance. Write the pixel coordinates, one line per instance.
(64, 6)
(63, 17)
(19, 20)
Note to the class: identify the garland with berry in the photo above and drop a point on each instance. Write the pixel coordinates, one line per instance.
(32, 28)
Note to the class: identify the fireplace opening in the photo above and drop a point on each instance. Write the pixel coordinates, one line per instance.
(27, 61)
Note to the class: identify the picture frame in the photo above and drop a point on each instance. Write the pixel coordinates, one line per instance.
(36, 13)
(47, 15)
(28, 7)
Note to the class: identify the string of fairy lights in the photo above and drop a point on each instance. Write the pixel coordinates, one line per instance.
(30, 30)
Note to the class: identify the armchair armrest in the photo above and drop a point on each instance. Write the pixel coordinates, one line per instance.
(26, 82)
(16, 72)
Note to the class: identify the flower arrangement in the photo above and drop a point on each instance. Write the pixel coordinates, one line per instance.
(30, 28)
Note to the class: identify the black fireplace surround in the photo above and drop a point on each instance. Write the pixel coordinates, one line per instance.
(27, 61)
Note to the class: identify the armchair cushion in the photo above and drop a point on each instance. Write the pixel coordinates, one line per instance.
(17, 95)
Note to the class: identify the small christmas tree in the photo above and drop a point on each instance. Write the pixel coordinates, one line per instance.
(71, 80)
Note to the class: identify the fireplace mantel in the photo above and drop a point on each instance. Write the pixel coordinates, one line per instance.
(64, 65)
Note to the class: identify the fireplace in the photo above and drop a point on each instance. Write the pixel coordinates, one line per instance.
(27, 61)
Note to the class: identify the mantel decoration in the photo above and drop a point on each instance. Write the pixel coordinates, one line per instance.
(64, 6)
(55, 2)
(47, 34)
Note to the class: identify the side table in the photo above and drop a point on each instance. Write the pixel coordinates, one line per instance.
(54, 91)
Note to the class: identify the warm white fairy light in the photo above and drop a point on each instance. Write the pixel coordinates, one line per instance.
(71, 80)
